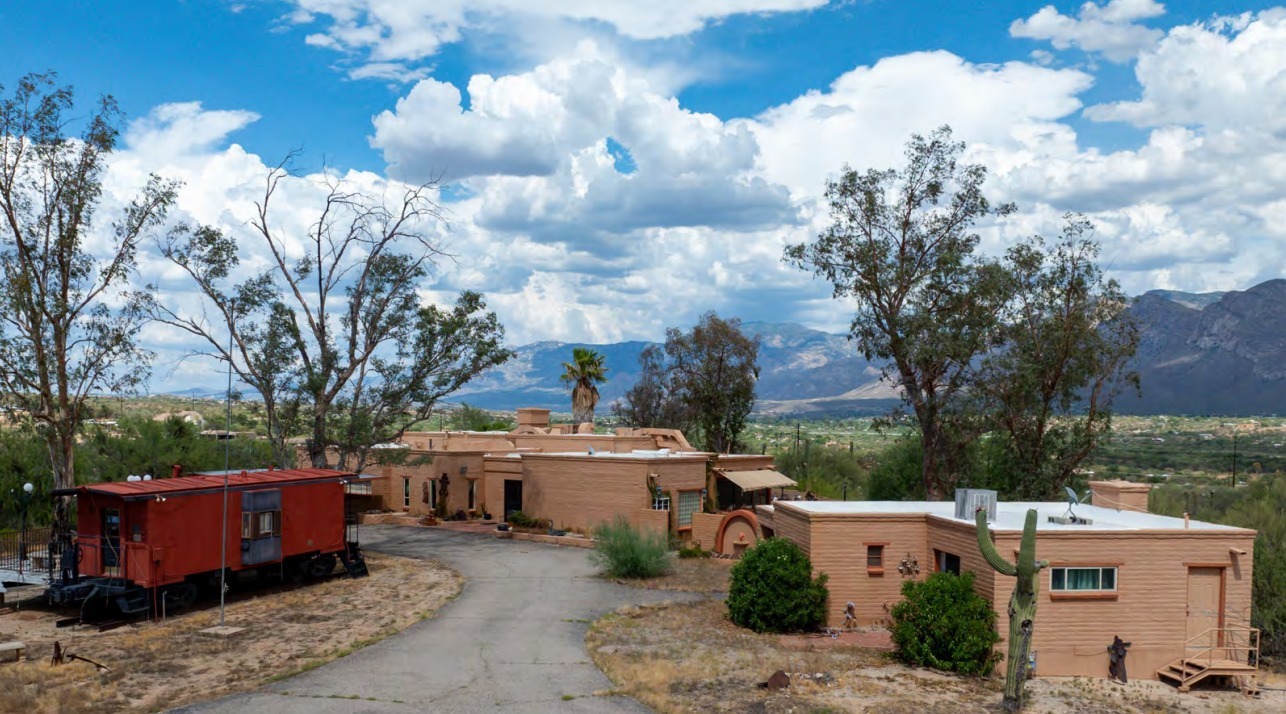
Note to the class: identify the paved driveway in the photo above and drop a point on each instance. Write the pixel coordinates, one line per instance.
(512, 641)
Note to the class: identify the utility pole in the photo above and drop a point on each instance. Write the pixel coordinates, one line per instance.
(1234, 457)
(227, 460)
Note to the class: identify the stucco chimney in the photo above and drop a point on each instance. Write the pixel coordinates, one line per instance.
(533, 416)
(1121, 495)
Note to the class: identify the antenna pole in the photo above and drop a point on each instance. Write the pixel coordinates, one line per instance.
(227, 459)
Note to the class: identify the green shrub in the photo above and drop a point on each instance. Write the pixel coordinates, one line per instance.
(773, 589)
(518, 519)
(692, 550)
(623, 551)
(942, 623)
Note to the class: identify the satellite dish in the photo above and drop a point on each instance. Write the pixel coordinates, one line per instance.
(1073, 500)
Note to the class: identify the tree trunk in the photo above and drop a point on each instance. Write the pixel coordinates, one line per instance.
(317, 445)
(929, 443)
(62, 456)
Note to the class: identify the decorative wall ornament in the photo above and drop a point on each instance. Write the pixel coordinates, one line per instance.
(909, 567)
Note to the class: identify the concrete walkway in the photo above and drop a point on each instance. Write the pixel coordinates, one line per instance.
(512, 641)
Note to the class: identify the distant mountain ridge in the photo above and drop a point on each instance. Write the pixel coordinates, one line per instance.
(1200, 353)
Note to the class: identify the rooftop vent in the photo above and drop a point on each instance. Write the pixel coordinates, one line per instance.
(970, 500)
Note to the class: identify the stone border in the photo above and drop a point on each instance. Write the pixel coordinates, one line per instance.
(571, 541)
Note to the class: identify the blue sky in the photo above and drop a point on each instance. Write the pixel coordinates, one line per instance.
(616, 167)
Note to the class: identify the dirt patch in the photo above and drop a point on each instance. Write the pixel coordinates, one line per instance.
(163, 664)
(691, 575)
(688, 658)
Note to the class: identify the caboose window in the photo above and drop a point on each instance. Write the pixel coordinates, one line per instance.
(260, 524)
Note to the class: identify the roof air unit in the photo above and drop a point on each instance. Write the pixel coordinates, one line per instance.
(970, 500)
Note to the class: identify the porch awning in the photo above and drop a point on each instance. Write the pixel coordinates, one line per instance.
(758, 480)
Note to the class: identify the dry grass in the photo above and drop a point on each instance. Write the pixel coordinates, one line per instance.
(158, 665)
(693, 575)
(689, 658)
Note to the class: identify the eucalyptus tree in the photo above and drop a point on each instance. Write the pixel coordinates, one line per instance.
(333, 334)
(66, 327)
(901, 246)
(1068, 348)
(713, 370)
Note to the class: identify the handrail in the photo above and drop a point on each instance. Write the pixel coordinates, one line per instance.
(1230, 636)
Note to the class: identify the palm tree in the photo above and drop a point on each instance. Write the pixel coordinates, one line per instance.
(584, 372)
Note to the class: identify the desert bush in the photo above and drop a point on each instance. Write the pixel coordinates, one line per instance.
(519, 519)
(692, 550)
(942, 623)
(623, 551)
(772, 589)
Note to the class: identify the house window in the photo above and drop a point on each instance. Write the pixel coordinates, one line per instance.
(433, 493)
(406, 492)
(473, 495)
(689, 503)
(947, 562)
(1068, 580)
(660, 503)
(875, 558)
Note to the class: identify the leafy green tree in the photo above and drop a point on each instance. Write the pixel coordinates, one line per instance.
(896, 475)
(336, 342)
(584, 373)
(1068, 343)
(61, 338)
(901, 246)
(652, 402)
(713, 370)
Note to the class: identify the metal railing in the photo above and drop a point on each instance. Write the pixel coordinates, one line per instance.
(1220, 645)
(22, 552)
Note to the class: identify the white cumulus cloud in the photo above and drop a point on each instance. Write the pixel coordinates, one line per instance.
(1112, 30)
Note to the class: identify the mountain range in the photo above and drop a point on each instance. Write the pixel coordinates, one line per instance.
(1199, 353)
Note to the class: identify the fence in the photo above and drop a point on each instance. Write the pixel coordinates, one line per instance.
(23, 552)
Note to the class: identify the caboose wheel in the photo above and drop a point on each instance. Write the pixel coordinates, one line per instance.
(321, 566)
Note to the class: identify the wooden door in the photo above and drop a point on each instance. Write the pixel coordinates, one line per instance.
(1205, 604)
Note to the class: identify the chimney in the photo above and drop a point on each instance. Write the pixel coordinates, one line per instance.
(1121, 495)
(533, 416)
(176, 470)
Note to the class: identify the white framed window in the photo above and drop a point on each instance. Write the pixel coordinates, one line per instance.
(1077, 580)
(661, 503)
(689, 503)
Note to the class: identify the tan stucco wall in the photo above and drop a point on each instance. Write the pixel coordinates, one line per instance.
(1121, 495)
(1071, 636)
(582, 492)
(840, 552)
(704, 528)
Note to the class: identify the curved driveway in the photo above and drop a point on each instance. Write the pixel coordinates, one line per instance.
(514, 639)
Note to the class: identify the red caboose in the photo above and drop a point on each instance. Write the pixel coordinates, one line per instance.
(139, 543)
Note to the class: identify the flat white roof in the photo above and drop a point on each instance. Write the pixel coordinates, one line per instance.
(1010, 515)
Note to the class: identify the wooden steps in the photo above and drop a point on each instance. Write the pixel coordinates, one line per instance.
(1186, 672)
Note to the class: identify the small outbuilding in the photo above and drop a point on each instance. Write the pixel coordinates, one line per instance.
(1171, 586)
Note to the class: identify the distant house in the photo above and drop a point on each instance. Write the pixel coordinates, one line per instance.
(1173, 587)
(191, 417)
(651, 477)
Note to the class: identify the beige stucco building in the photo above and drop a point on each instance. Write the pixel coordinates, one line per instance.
(651, 477)
(1167, 585)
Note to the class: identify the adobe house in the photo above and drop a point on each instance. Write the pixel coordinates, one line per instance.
(1173, 587)
(652, 477)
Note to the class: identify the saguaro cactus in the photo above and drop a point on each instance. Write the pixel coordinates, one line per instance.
(1022, 604)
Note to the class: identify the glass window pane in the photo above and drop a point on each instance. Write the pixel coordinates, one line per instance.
(689, 503)
(1059, 576)
(874, 556)
(1109, 578)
